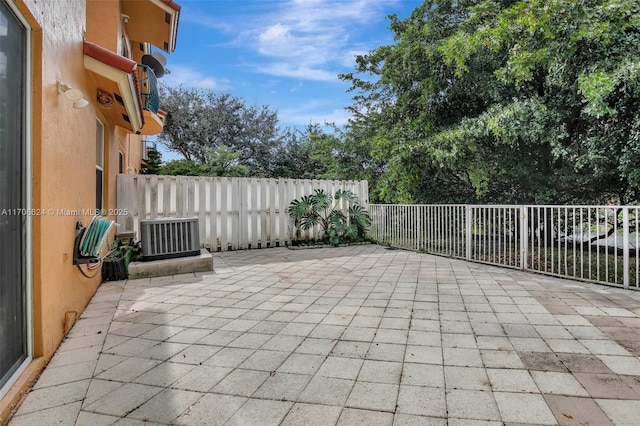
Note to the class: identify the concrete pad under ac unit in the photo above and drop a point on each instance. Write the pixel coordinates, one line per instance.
(164, 267)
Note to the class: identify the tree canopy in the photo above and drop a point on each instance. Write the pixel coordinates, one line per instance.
(505, 101)
(219, 161)
(199, 121)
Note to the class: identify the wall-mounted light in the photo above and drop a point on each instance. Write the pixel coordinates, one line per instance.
(72, 95)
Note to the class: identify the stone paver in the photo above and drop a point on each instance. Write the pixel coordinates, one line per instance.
(353, 335)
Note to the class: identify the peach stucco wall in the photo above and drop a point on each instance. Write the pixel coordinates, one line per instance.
(103, 21)
(63, 170)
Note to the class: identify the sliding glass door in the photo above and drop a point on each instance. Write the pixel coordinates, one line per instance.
(13, 217)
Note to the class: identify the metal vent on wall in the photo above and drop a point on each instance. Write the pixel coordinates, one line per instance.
(169, 237)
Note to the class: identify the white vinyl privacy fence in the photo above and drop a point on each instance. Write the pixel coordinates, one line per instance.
(233, 213)
(591, 243)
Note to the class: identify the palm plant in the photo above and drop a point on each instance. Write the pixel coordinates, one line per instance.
(320, 208)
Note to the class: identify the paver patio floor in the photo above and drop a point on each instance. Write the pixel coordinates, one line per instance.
(354, 335)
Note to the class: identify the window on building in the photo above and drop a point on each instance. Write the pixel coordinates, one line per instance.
(120, 162)
(99, 164)
(125, 43)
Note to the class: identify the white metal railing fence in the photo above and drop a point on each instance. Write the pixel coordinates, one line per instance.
(592, 243)
(233, 213)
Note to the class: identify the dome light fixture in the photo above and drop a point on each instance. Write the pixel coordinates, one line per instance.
(72, 95)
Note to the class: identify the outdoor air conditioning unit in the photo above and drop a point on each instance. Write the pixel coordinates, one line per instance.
(167, 238)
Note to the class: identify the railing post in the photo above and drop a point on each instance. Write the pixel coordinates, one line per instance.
(467, 226)
(524, 233)
(418, 219)
(625, 246)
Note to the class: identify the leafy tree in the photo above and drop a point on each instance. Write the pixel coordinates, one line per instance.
(344, 155)
(404, 93)
(294, 156)
(154, 161)
(505, 101)
(221, 161)
(179, 168)
(323, 152)
(576, 80)
(201, 119)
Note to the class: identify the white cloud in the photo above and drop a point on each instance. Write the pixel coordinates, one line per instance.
(319, 35)
(308, 39)
(275, 35)
(189, 77)
(313, 112)
(284, 69)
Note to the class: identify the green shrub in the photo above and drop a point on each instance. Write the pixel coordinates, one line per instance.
(338, 226)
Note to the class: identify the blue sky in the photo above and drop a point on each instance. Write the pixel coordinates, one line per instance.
(285, 54)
